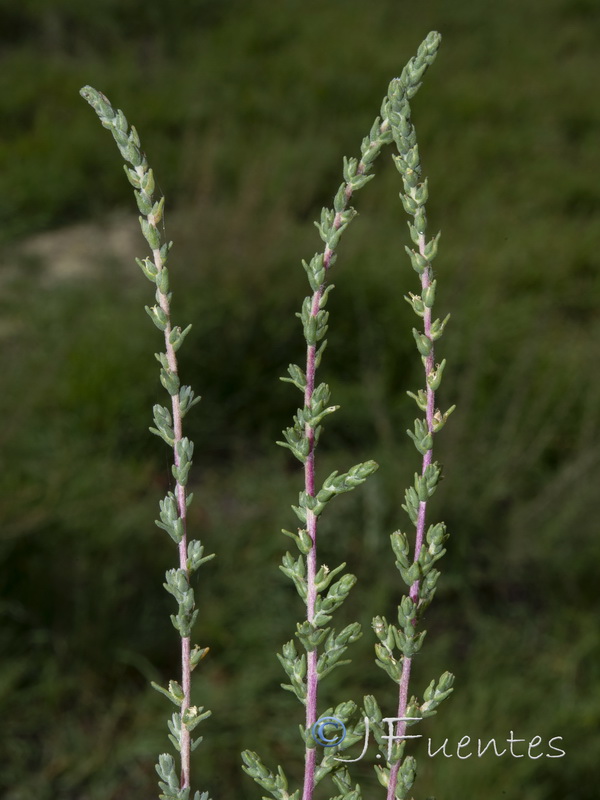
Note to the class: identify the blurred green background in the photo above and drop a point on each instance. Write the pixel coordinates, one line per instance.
(245, 110)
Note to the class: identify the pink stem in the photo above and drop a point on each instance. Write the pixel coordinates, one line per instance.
(420, 529)
(312, 679)
(311, 559)
(180, 494)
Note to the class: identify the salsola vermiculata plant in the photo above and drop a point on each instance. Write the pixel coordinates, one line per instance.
(314, 584)
(418, 571)
(168, 422)
(321, 647)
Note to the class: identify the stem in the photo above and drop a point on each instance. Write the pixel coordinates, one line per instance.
(312, 678)
(420, 530)
(180, 494)
(302, 439)
(173, 510)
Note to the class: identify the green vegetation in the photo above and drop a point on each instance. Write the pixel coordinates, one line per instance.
(246, 111)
